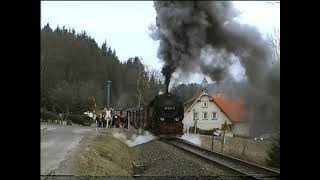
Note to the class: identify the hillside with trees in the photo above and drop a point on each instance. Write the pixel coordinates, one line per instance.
(75, 70)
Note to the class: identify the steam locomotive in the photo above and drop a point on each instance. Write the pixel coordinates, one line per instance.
(162, 116)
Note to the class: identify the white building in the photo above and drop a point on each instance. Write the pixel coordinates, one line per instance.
(203, 112)
(207, 112)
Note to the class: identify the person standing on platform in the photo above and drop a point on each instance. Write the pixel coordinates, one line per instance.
(103, 121)
(108, 117)
(98, 122)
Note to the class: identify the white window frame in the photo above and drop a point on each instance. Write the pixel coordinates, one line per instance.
(214, 118)
(203, 115)
(197, 115)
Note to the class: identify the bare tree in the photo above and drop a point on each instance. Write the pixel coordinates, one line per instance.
(157, 75)
(274, 40)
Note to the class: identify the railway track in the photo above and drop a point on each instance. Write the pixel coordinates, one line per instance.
(249, 170)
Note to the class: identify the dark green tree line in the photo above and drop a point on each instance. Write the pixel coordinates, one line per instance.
(75, 70)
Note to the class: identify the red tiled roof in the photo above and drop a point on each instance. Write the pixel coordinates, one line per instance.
(233, 108)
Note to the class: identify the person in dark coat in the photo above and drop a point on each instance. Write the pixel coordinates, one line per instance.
(103, 119)
(98, 121)
(115, 121)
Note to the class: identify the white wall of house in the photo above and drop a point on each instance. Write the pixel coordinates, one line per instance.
(205, 123)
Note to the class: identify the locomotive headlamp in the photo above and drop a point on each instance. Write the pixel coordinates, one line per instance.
(176, 119)
(161, 119)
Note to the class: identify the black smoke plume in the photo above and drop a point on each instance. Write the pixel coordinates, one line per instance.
(205, 35)
(167, 71)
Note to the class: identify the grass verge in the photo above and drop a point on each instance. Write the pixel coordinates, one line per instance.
(105, 156)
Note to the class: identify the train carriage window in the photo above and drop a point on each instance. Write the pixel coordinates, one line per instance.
(205, 115)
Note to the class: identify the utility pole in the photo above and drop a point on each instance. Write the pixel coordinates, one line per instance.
(138, 84)
(213, 134)
(129, 118)
(108, 97)
(223, 140)
(225, 127)
(212, 139)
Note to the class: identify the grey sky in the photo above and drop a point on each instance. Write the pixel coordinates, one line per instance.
(124, 24)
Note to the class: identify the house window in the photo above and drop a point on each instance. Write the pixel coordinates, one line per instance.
(214, 115)
(205, 115)
(195, 115)
(205, 104)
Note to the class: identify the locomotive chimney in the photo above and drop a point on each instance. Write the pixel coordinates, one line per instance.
(167, 86)
(167, 71)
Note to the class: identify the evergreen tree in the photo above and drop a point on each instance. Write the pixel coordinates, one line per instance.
(74, 71)
(47, 28)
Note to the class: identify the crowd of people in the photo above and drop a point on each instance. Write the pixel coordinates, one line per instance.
(101, 121)
(109, 118)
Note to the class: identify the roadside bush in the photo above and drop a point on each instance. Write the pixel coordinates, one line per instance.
(242, 136)
(48, 115)
(69, 122)
(80, 119)
(273, 159)
(201, 131)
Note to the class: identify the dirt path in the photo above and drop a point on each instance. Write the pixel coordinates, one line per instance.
(59, 143)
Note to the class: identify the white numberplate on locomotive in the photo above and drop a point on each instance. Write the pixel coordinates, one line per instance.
(169, 108)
